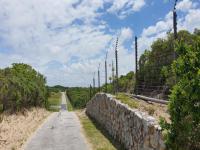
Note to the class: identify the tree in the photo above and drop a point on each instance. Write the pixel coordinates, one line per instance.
(184, 130)
(155, 65)
(21, 86)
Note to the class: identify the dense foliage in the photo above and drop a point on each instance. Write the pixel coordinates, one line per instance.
(153, 76)
(125, 83)
(184, 130)
(56, 88)
(21, 86)
(78, 96)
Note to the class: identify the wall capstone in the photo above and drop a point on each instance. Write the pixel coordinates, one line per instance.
(134, 129)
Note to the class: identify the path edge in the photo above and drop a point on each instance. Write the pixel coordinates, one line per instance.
(39, 128)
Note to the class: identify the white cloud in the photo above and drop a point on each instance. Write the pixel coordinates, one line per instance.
(124, 7)
(185, 5)
(126, 34)
(43, 31)
(67, 39)
(189, 21)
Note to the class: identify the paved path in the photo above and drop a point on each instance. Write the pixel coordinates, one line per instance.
(61, 131)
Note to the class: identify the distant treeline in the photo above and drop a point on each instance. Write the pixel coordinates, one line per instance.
(56, 88)
(78, 96)
(125, 83)
(22, 87)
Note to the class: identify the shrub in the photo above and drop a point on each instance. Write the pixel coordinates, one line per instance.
(78, 96)
(21, 86)
(184, 130)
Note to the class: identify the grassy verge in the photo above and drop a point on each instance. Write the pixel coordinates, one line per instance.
(127, 100)
(69, 105)
(54, 101)
(96, 135)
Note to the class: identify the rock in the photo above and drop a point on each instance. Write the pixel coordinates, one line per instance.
(134, 129)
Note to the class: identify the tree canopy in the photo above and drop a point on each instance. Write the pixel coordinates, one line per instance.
(21, 86)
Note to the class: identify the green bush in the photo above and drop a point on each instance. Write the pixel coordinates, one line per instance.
(21, 86)
(78, 96)
(125, 84)
(56, 89)
(183, 133)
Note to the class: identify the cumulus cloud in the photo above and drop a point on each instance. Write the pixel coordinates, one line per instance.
(67, 39)
(124, 7)
(126, 34)
(189, 22)
(43, 31)
(185, 5)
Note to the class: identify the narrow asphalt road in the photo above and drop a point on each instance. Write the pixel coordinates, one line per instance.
(61, 131)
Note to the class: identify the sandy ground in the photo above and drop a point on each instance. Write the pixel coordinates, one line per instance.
(154, 109)
(16, 128)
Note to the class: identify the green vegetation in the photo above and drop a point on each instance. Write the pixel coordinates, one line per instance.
(184, 130)
(151, 110)
(69, 106)
(78, 96)
(97, 136)
(154, 64)
(54, 99)
(127, 100)
(21, 87)
(125, 83)
(56, 89)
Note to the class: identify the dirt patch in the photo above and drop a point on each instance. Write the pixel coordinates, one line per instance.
(151, 108)
(16, 128)
(154, 109)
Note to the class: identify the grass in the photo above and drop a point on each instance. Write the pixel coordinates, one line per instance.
(150, 109)
(1, 108)
(96, 135)
(127, 100)
(54, 101)
(69, 105)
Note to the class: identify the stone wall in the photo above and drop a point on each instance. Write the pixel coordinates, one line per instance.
(134, 129)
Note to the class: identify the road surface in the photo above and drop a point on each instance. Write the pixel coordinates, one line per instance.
(61, 131)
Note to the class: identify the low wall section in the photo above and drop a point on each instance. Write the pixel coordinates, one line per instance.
(134, 129)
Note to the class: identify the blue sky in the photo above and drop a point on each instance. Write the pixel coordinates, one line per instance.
(66, 39)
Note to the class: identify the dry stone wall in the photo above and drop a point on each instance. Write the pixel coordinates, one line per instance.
(134, 129)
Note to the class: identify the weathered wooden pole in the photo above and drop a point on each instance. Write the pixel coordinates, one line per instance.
(90, 91)
(106, 81)
(113, 77)
(175, 20)
(136, 65)
(116, 59)
(99, 83)
(94, 84)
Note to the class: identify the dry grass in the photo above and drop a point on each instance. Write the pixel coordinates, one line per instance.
(16, 128)
(154, 109)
